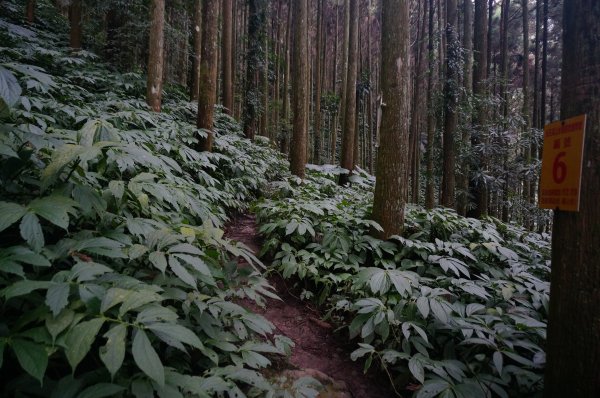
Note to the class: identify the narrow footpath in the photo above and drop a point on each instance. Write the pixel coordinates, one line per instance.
(318, 352)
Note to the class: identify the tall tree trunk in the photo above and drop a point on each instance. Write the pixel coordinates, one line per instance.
(344, 67)
(347, 160)
(392, 160)
(543, 111)
(318, 142)
(505, 105)
(573, 348)
(525, 111)
(227, 56)
(451, 104)
(285, 141)
(254, 58)
(75, 23)
(30, 11)
(197, 35)
(416, 106)
(477, 187)
(156, 55)
(463, 178)
(207, 95)
(429, 185)
(299, 88)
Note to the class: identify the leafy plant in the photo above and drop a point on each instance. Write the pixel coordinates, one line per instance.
(457, 305)
(115, 276)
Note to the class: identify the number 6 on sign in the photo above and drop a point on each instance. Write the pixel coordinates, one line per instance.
(561, 164)
(559, 168)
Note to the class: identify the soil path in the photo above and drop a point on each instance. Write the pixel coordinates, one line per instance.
(318, 352)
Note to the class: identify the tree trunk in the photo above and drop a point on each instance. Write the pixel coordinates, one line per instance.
(299, 88)
(451, 104)
(227, 56)
(75, 23)
(543, 111)
(344, 67)
(207, 94)
(347, 160)
(525, 111)
(318, 142)
(573, 348)
(392, 160)
(30, 11)
(463, 179)
(254, 58)
(156, 55)
(429, 185)
(197, 35)
(477, 187)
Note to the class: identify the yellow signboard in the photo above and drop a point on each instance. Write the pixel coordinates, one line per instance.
(561, 164)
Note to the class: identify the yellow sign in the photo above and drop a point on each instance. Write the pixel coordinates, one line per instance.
(561, 164)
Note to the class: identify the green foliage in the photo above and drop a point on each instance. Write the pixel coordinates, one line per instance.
(458, 305)
(115, 277)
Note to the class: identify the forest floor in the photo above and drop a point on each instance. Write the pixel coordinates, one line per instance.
(318, 351)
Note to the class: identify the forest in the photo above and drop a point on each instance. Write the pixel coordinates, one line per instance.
(299, 198)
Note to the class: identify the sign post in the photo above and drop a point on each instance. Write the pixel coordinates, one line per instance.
(560, 181)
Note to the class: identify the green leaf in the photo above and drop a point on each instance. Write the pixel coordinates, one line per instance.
(431, 388)
(55, 209)
(159, 260)
(178, 333)
(195, 262)
(438, 310)
(101, 390)
(291, 227)
(21, 288)
(32, 357)
(79, 340)
(147, 359)
(57, 324)
(2, 344)
(31, 231)
(60, 158)
(416, 368)
(498, 361)
(117, 188)
(10, 90)
(181, 272)
(423, 306)
(10, 213)
(57, 297)
(138, 299)
(112, 353)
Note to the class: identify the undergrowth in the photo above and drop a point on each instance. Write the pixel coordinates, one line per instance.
(115, 277)
(457, 305)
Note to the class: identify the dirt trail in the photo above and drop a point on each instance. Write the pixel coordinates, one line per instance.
(318, 352)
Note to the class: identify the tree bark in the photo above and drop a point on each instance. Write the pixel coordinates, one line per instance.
(318, 141)
(451, 104)
(392, 160)
(207, 94)
(254, 58)
(573, 348)
(347, 160)
(299, 88)
(525, 111)
(462, 199)
(197, 38)
(156, 55)
(75, 22)
(477, 187)
(30, 11)
(227, 56)
(429, 185)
